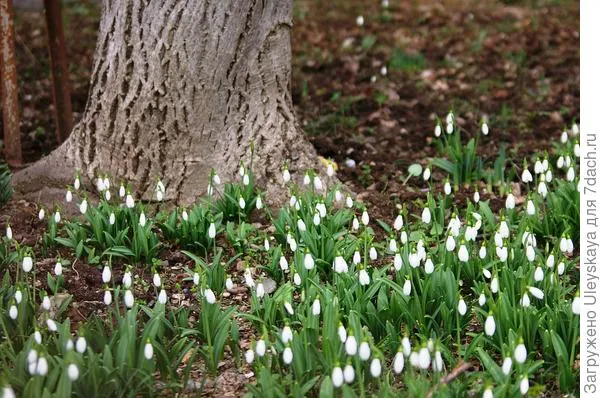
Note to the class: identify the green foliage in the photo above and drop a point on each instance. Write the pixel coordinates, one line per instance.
(5, 184)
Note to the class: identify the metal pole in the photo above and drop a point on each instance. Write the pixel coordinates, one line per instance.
(8, 81)
(61, 91)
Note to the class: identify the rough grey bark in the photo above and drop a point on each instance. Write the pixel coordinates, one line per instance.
(180, 86)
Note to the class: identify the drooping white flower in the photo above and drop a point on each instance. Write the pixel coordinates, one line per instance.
(355, 224)
(107, 297)
(429, 266)
(46, 303)
(41, 214)
(18, 296)
(288, 307)
(398, 363)
(42, 366)
(349, 374)
(524, 385)
(520, 353)
(564, 137)
(129, 202)
(80, 344)
(450, 243)
(424, 358)
(364, 351)
(510, 201)
(106, 274)
(148, 350)
(482, 300)
(360, 20)
(393, 245)
(406, 289)
(507, 365)
(570, 174)
(364, 218)
(438, 361)
(57, 217)
(463, 253)
(301, 225)
(426, 215)
(526, 176)
(426, 174)
(538, 275)
(363, 277)
(337, 377)
(406, 346)
(494, 285)
(349, 202)
(242, 203)
(297, 279)
(58, 269)
(462, 307)
(530, 253)
(286, 334)
(490, 325)
(340, 265)
(13, 312)
(286, 176)
(128, 298)
(438, 130)
(316, 307)
(111, 219)
(576, 304)
(318, 183)
(372, 253)
(525, 301)
(162, 296)
(126, 280)
(261, 347)
(375, 367)
(212, 230)
(51, 325)
(249, 355)
(73, 372)
(447, 188)
(482, 252)
(397, 262)
(210, 296)
(476, 197)
(450, 128)
(561, 268)
(351, 345)
(228, 284)
(288, 355)
(398, 222)
(536, 292)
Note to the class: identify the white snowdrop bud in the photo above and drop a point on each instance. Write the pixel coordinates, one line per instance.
(414, 359)
(148, 350)
(249, 356)
(450, 128)
(537, 167)
(525, 301)
(242, 203)
(364, 351)
(549, 176)
(57, 217)
(488, 393)
(210, 296)
(156, 280)
(463, 254)
(482, 252)
(355, 224)
(375, 367)
(122, 191)
(564, 137)
(524, 385)
(450, 243)
(77, 183)
(18, 296)
(13, 312)
(143, 219)
(337, 377)
(536, 292)
(438, 130)
(297, 279)
(228, 284)
(494, 285)
(286, 176)
(365, 218)
(349, 202)
(51, 325)
(212, 230)
(107, 297)
(46, 303)
(107, 195)
(560, 162)
(438, 361)
(485, 130)
(288, 356)
(351, 345)
(286, 335)
(502, 253)
(360, 20)
(342, 333)
(406, 289)
(490, 325)
(338, 196)
(426, 174)
(261, 348)
(510, 201)
(476, 197)
(260, 290)
(340, 265)
(447, 188)
(129, 202)
(545, 165)
(520, 353)
(393, 245)
(526, 177)
(530, 207)
(248, 278)
(316, 307)
(37, 336)
(162, 296)
(126, 280)
(462, 307)
(397, 262)
(73, 372)
(576, 304)
(106, 274)
(301, 225)
(538, 275)
(306, 180)
(429, 266)
(288, 308)
(424, 358)
(80, 344)
(482, 300)
(575, 129)
(42, 366)
(406, 346)
(507, 365)
(259, 202)
(318, 183)
(246, 179)
(561, 268)
(69, 196)
(349, 374)
(576, 149)
(398, 363)
(58, 269)
(571, 174)
(309, 262)
(530, 253)
(372, 253)
(426, 215)
(41, 214)
(128, 298)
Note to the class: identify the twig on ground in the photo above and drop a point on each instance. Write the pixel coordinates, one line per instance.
(457, 371)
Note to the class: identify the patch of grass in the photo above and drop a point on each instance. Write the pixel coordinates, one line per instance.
(401, 60)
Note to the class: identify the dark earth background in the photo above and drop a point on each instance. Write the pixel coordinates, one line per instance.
(514, 62)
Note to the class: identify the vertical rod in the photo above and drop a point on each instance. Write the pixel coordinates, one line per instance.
(63, 112)
(9, 90)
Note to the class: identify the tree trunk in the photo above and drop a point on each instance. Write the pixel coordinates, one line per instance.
(178, 87)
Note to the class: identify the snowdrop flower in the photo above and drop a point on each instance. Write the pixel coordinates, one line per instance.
(476, 197)
(126, 280)
(385, 3)
(530, 253)
(288, 307)
(494, 285)
(575, 129)
(363, 277)
(13, 312)
(69, 196)
(156, 280)
(338, 196)
(210, 296)
(77, 183)
(502, 253)
(259, 202)
(365, 218)
(46, 303)
(426, 215)
(570, 174)
(148, 350)
(510, 201)
(41, 214)
(107, 297)
(530, 207)
(242, 203)
(447, 188)
(463, 253)
(246, 179)
(538, 275)
(413, 259)
(375, 367)
(507, 365)
(545, 165)
(438, 361)
(406, 347)
(485, 130)
(349, 373)
(288, 356)
(490, 325)
(561, 268)
(301, 225)
(122, 191)
(58, 268)
(318, 183)
(297, 279)
(292, 243)
(306, 180)
(355, 224)
(18, 296)
(414, 359)
(372, 253)
(283, 263)
(549, 176)
(337, 377)
(429, 266)
(536, 292)
(398, 363)
(286, 335)
(576, 149)
(526, 177)
(249, 356)
(42, 366)
(73, 372)
(309, 262)
(542, 188)
(488, 393)
(340, 265)
(128, 298)
(426, 174)
(393, 246)
(349, 202)
(106, 274)
(228, 284)
(286, 176)
(564, 137)
(450, 243)
(316, 307)
(438, 130)
(321, 209)
(80, 344)
(360, 20)
(212, 230)
(450, 128)
(406, 289)
(261, 348)
(51, 325)
(482, 300)
(317, 218)
(520, 352)
(397, 262)
(576, 304)
(524, 385)
(57, 217)
(525, 301)
(462, 307)
(364, 351)
(342, 333)
(37, 336)
(351, 345)
(162, 296)
(424, 358)
(398, 222)
(248, 278)
(482, 252)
